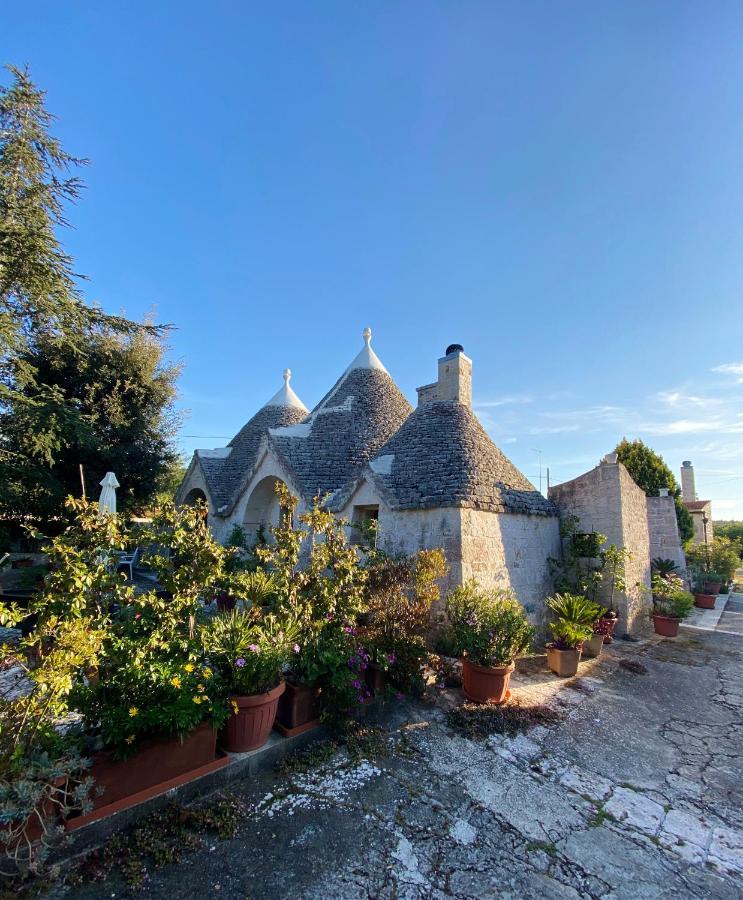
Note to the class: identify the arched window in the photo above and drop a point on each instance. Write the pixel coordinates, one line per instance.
(263, 509)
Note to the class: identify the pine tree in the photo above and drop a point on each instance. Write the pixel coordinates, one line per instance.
(39, 293)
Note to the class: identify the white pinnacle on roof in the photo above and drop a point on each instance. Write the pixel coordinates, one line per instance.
(367, 358)
(286, 396)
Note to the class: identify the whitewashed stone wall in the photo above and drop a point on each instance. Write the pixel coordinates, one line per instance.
(511, 551)
(607, 500)
(663, 530)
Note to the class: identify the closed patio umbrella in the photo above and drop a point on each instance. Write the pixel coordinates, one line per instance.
(107, 500)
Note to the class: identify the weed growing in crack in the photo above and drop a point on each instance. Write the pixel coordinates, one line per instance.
(162, 838)
(477, 721)
(546, 847)
(308, 759)
(631, 665)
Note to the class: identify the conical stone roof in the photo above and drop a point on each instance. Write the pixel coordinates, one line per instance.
(226, 476)
(443, 457)
(362, 410)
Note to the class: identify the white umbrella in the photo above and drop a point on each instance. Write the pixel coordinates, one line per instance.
(107, 500)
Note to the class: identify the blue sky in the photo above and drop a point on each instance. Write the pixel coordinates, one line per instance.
(556, 186)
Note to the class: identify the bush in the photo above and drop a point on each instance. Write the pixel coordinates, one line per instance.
(572, 620)
(719, 556)
(677, 605)
(250, 649)
(399, 594)
(489, 627)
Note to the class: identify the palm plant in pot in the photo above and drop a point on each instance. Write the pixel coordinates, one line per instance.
(573, 617)
(250, 650)
(488, 629)
(671, 604)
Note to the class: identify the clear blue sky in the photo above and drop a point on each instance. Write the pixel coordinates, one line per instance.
(557, 186)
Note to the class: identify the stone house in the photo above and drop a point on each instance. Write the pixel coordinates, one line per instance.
(430, 476)
(701, 510)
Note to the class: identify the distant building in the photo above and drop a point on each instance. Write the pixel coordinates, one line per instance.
(701, 510)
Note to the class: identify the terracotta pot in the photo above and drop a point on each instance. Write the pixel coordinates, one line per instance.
(712, 587)
(486, 684)
(250, 727)
(608, 625)
(704, 601)
(563, 662)
(376, 678)
(298, 705)
(157, 760)
(592, 647)
(668, 626)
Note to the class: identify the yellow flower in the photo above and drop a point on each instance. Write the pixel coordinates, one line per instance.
(235, 707)
(188, 667)
(175, 681)
(207, 672)
(130, 739)
(196, 699)
(133, 711)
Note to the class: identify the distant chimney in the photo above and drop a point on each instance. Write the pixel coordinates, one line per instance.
(688, 489)
(455, 379)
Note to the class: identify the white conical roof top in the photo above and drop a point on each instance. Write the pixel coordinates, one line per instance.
(367, 358)
(286, 396)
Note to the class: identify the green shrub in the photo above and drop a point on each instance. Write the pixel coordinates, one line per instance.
(489, 627)
(250, 649)
(572, 619)
(677, 605)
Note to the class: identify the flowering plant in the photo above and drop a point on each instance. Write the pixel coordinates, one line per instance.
(161, 696)
(250, 649)
(489, 627)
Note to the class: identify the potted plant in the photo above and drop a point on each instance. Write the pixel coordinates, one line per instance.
(703, 599)
(594, 644)
(250, 650)
(571, 624)
(671, 604)
(489, 630)
(712, 583)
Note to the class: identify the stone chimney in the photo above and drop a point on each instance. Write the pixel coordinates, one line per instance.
(455, 379)
(688, 489)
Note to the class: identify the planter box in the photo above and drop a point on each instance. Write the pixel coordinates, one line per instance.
(160, 765)
(486, 684)
(299, 709)
(563, 662)
(157, 760)
(712, 587)
(704, 601)
(667, 626)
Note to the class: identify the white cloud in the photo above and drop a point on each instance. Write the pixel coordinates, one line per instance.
(735, 369)
(502, 401)
(679, 398)
(553, 429)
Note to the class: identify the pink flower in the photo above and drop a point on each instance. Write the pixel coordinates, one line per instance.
(254, 648)
(295, 648)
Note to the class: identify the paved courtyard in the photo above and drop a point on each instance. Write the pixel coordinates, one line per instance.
(637, 792)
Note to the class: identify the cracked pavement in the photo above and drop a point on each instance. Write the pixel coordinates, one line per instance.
(636, 793)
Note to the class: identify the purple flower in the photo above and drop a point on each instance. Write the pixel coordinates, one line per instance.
(391, 658)
(295, 648)
(254, 648)
(240, 662)
(356, 683)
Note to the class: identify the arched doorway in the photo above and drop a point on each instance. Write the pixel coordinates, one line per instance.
(193, 497)
(263, 510)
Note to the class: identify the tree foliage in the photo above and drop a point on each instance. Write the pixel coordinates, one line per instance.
(114, 412)
(649, 471)
(46, 425)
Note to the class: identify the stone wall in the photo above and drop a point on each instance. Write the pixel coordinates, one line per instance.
(663, 531)
(607, 500)
(510, 550)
